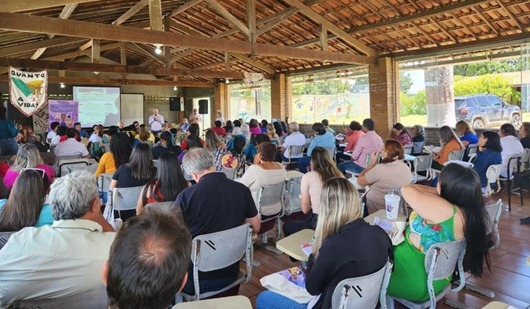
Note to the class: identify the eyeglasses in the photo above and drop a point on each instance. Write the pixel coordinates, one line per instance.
(40, 170)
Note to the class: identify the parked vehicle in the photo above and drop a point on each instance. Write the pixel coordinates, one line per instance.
(486, 110)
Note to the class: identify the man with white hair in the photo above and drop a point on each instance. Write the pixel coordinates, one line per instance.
(62, 259)
(294, 139)
(214, 204)
(156, 121)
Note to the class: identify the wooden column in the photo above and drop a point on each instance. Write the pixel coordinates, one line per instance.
(384, 94)
(279, 96)
(221, 101)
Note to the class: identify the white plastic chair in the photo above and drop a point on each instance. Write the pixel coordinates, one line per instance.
(421, 164)
(525, 161)
(229, 172)
(362, 292)
(440, 262)
(270, 198)
(492, 174)
(408, 149)
(294, 202)
(472, 152)
(94, 299)
(418, 147)
(164, 207)
(219, 250)
(294, 151)
(124, 198)
(104, 182)
(456, 155)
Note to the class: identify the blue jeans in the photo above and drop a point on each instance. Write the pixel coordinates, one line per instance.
(303, 163)
(206, 285)
(271, 300)
(349, 165)
(293, 160)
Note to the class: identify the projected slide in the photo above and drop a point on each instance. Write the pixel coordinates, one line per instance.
(98, 105)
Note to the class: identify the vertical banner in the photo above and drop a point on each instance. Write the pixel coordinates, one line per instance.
(64, 112)
(40, 119)
(28, 90)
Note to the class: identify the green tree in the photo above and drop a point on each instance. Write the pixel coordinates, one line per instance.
(515, 64)
(493, 84)
(413, 104)
(405, 82)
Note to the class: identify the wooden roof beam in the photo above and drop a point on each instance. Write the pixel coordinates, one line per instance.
(307, 11)
(130, 12)
(40, 44)
(114, 68)
(513, 17)
(257, 64)
(217, 7)
(40, 24)
(184, 7)
(155, 15)
(27, 5)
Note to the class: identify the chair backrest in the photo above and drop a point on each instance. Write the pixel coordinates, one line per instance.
(104, 182)
(360, 292)
(105, 146)
(270, 198)
(229, 172)
(164, 207)
(525, 160)
(221, 249)
(125, 198)
(514, 165)
(441, 260)
(472, 150)
(295, 151)
(409, 149)
(94, 299)
(68, 166)
(331, 151)
(294, 191)
(456, 155)
(4, 237)
(492, 175)
(494, 213)
(418, 147)
(422, 163)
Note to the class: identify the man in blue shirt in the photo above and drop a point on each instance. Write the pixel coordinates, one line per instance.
(323, 139)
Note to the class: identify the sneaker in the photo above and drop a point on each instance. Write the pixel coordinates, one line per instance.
(525, 220)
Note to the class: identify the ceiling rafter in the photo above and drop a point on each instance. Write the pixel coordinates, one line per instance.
(10, 6)
(221, 10)
(512, 16)
(130, 12)
(184, 7)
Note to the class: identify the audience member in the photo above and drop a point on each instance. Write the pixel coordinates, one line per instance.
(97, 135)
(214, 204)
(167, 184)
(278, 129)
(511, 146)
(254, 128)
(144, 136)
(338, 250)
(71, 147)
(165, 145)
(193, 129)
(263, 126)
(352, 135)
(367, 144)
(449, 142)
(21, 209)
(61, 135)
(264, 172)
(465, 133)
(401, 134)
(325, 122)
(82, 133)
(489, 154)
(418, 137)
(271, 133)
(53, 132)
(215, 145)
(148, 262)
(218, 129)
(251, 151)
(120, 151)
(454, 210)
(8, 132)
(219, 117)
(63, 259)
(28, 157)
(321, 138)
(524, 133)
(295, 139)
(322, 169)
(229, 127)
(192, 141)
(391, 173)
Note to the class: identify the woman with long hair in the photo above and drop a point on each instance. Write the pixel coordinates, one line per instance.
(418, 138)
(524, 134)
(22, 209)
(165, 145)
(251, 150)
(338, 251)
(193, 130)
(391, 173)
(254, 127)
(229, 127)
(452, 211)
(143, 136)
(489, 153)
(216, 146)
(28, 156)
(167, 184)
(322, 169)
(449, 141)
(278, 128)
(271, 133)
(400, 133)
(465, 133)
(120, 151)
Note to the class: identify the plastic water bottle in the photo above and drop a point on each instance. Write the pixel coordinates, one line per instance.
(392, 204)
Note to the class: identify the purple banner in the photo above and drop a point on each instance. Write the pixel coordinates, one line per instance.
(64, 112)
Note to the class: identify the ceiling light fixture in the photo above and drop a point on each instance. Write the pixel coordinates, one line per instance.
(227, 81)
(158, 49)
(62, 85)
(175, 88)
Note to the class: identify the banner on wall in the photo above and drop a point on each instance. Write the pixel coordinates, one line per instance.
(40, 119)
(28, 90)
(65, 112)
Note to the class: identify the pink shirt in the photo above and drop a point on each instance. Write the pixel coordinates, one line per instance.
(352, 138)
(255, 130)
(11, 175)
(368, 143)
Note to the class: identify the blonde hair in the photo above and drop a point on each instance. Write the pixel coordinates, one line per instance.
(28, 156)
(462, 127)
(339, 204)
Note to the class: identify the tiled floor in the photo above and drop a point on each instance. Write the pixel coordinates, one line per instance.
(509, 277)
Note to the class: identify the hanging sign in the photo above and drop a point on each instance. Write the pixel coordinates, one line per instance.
(28, 90)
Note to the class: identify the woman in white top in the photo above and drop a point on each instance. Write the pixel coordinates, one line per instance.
(219, 116)
(511, 146)
(322, 169)
(266, 172)
(97, 135)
